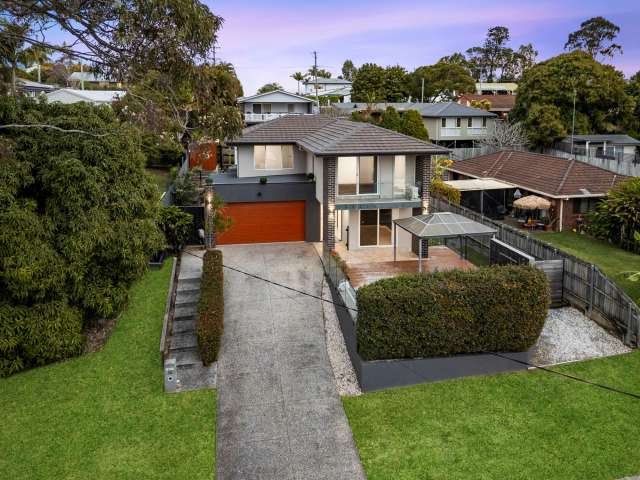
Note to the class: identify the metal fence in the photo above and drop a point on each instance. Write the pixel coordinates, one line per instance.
(340, 282)
(584, 285)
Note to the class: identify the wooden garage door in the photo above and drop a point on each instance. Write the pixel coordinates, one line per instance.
(264, 222)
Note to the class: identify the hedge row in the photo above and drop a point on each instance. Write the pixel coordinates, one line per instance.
(211, 307)
(441, 190)
(37, 335)
(500, 309)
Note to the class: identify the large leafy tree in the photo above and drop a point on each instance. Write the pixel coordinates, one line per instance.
(550, 87)
(369, 84)
(348, 70)
(77, 225)
(270, 87)
(395, 84)
(413, 125)
(633, 90)
(596, 37)
(441, 81)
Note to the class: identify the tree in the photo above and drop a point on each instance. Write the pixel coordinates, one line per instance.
(176, 226)
(270, 87)
(413, 125)
(483, 104)
(395, 84)
(391, 119)
(595, 36)
(518, 62)
(544, 125)
(441, 81)
(77, 225)
(490, 58)
(617, 217)
(348, 70)
(602, 104)
(298, 77)
(369, 84)
(633, 90)
(319, 72)
(13, 49)
(506, 135)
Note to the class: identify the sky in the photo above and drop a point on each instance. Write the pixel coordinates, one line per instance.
(268, 41)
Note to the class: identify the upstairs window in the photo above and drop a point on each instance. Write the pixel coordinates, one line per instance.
(469, 122)
(273, 157)
(484, 122)
(444, 122)
(458, 122)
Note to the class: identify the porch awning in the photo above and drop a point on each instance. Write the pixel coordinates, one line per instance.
(476, 184)
(442, 225)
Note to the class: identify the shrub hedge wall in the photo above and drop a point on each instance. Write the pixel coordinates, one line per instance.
(211, 307)
(441, 190)
(499, 309)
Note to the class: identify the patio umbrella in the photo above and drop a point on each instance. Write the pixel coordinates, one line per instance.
(532, 202)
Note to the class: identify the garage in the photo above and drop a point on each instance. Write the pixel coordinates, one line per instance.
(264, 222)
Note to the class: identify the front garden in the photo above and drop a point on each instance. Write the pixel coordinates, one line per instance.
(526, 425)
(105, 415)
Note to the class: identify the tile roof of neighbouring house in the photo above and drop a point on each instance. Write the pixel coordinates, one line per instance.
(614, 139)
(272, 92)
(430, 110)
(498, 102)
(545, 174)
(326, 136)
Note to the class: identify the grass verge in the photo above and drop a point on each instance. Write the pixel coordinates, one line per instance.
(527, 425)
(105, 415)
(613, 261)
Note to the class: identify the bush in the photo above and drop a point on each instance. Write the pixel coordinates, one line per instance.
(32, 336)
(211, 307)
(442, 190)
(176, 226)
(499, 309)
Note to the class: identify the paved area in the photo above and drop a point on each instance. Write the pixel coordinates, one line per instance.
(279, 415)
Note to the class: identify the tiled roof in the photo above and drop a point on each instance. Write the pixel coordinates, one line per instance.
(433, 110)
(545, 174)
(498, 102)
(323, 135)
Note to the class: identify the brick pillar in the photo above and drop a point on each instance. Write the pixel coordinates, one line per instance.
(329, 203)
(423, 176)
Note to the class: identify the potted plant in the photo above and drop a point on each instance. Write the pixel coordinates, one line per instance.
(263, 180)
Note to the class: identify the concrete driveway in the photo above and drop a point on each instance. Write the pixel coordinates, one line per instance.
(279, 415)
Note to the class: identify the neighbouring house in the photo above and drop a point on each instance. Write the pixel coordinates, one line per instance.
(263, 107)
(327, 85)
(610, 146)
(490, 183)
(314, 177)
(96, 97)
(33, 89)
(496, 88)
(93, 80)
(448, 123)
(501, 105)
(342, 94)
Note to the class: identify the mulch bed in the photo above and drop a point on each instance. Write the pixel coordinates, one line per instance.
(96, 335)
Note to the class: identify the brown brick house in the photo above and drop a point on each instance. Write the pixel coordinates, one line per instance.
(572, 187)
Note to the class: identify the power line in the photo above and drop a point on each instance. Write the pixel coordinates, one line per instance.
(521, 362)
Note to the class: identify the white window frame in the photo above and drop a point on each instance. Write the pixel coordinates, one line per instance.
(282, 156)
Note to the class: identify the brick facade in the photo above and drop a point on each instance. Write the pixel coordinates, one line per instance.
(329, 203)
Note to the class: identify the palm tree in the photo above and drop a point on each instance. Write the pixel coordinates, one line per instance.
(12, 47)
(298, 77)
(38, 55)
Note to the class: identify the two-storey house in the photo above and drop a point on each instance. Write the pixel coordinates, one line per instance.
(317, 177)
(263, 107)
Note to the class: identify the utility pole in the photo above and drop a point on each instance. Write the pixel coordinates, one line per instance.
(573, 121)
(422, 96)
(315, 74)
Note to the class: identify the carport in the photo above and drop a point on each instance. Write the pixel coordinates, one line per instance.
(481, 185)
(439, 225)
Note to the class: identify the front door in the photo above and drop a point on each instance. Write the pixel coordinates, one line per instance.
(376, 228)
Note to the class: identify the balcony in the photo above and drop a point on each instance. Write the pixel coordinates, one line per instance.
(477, 131)
(450, 132)
(386, 194)
(265, 117)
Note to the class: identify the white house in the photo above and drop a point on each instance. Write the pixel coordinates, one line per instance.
(271, 105)
(326, 85)
(96, 97)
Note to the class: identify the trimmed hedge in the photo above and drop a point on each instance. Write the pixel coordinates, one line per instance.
(499, 309)
(441, 190)
(211, 307)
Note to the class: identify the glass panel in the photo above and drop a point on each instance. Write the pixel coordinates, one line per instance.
(257, 108)
(368, 175)
(368, 227)
(347, 175)
(399, 175)
(259, 157)
(287, 156)
(386, 227)
(273, 157)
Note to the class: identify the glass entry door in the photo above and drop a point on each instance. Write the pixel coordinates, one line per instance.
(376, 227)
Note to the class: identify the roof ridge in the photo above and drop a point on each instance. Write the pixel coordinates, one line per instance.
(503, 163)
(499, 157)
(572, 162)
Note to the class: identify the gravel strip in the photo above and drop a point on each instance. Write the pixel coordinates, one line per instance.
(343, 372)
(569, 336)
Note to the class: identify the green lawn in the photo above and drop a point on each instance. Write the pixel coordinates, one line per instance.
(528, 425)
(104, 415)
(610, 259)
